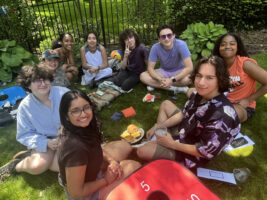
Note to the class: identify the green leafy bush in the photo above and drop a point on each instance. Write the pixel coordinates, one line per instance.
(200, 38)
(233, 14)
(45, 44)
(12, 57)
(146, 16)
(19, 23)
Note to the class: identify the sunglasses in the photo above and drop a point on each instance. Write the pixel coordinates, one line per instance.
(169, 36)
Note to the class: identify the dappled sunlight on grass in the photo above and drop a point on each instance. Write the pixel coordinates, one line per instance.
(45, 186)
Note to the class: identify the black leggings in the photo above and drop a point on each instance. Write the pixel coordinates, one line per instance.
(125, 79)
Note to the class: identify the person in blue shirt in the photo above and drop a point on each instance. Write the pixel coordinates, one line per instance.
(175, 63)
(38, 123)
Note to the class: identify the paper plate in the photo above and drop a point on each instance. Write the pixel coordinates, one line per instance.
(142, 132)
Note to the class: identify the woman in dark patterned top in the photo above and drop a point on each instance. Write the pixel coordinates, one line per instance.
(204, 127)
(87, 169)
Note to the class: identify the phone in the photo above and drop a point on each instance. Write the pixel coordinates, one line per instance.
(239, 142)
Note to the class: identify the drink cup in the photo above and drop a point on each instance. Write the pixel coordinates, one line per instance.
(161, 130)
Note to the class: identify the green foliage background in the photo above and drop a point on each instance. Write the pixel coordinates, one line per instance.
(233, 14)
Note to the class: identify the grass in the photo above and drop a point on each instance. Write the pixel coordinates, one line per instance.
(45, 186)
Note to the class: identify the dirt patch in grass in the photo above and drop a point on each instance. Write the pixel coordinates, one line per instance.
(255, 41)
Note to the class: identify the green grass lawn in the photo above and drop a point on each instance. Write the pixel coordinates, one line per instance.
(24, 186)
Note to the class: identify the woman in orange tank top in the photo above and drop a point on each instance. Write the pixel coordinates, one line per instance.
(244, 74)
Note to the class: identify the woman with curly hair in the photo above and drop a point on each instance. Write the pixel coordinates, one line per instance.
(134, 60)
(244, 75)
(63, 47)
(38, 123)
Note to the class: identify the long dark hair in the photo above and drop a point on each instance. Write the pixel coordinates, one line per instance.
(241, 50)
(89, 134)
(57, 43)
(222, 73)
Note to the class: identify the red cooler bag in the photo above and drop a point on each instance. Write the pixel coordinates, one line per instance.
(161, 180)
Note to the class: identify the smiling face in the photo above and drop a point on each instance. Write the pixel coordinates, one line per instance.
(52, 63)
(206, 82)
(166, 37)
(67, 42)
(91, 40)
(228, 47)
(40, 87)
(80, 112)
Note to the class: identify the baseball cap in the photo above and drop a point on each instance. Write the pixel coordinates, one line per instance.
(49, 53)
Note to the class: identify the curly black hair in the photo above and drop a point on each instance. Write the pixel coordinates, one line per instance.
(241, 50)
(125, 35)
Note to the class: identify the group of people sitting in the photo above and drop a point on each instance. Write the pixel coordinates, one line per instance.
(60, 129)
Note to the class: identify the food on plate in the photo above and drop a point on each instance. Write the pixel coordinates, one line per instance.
(132, 128)
(131, 133)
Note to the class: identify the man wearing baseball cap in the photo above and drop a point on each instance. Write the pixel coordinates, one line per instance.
(51, 60)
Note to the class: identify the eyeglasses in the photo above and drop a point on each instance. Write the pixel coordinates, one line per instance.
(77, 112)
(169, 36)
(40, 81)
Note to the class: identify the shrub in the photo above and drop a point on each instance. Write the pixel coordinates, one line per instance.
(45, 44)
(200, 38)
(12, 57)
(18, 23)
(146, 16)
(233, 14)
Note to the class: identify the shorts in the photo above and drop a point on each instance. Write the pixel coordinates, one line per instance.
(168, 74)
(250, 112)
(94, 196)
(164, 152)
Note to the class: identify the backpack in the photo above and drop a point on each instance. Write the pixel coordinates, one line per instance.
(114, 64)
(11, 94)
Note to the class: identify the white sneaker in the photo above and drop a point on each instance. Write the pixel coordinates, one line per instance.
(150, 89)
(123, 91)
(180, 90)
(83, 82)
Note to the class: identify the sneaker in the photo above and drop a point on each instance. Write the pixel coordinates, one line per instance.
(22, 154)
(83, 82)
(124, 91)
(8, 169)
(180, 90)
(150, 89)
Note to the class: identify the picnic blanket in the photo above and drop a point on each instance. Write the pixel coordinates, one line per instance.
(107, 92)
(161, 180)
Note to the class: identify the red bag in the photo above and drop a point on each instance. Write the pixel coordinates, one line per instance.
(161, 180)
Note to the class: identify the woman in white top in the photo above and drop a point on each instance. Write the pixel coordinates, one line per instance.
(94, 60)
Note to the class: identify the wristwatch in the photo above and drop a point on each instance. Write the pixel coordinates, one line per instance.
(173, 79)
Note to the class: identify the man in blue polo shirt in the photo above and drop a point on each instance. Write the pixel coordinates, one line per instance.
(175, 63)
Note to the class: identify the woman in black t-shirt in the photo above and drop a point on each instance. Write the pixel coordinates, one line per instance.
(81, 157)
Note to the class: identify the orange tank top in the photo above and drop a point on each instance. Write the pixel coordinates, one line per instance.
(241, 84)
